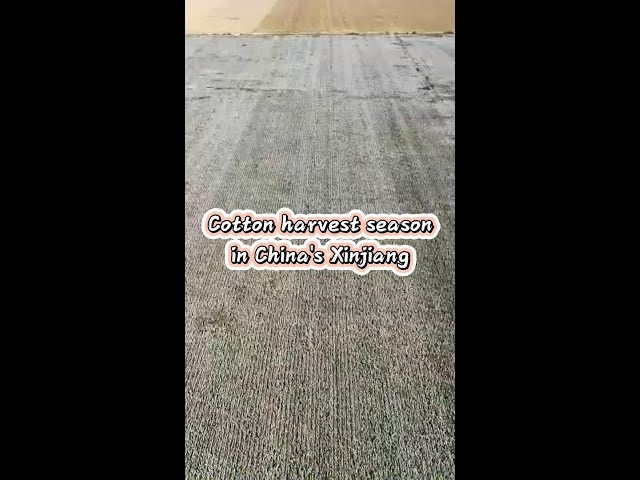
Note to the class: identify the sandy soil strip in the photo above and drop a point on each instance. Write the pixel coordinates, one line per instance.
(319, 16)
(225, 16)
(362, 16)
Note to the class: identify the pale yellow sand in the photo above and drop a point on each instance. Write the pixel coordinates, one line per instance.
(225, 16)
(362, 16)
(319, 16)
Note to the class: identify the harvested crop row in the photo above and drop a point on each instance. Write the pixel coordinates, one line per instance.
(319, 374)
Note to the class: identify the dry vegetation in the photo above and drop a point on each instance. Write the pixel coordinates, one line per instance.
(305, 374)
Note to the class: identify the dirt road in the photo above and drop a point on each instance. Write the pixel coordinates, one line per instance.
(319, 16)
(320, 374)
(362, 16)
(225, 16)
